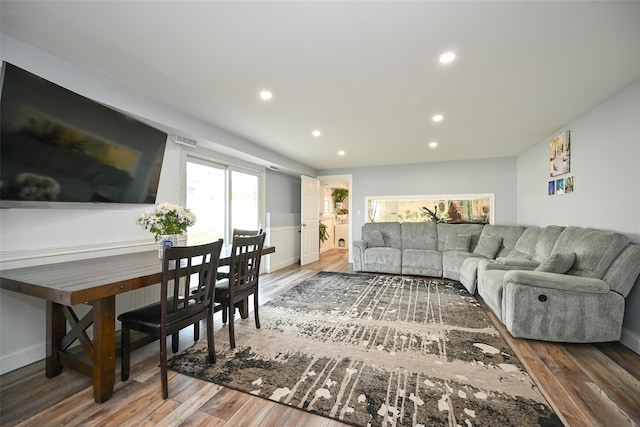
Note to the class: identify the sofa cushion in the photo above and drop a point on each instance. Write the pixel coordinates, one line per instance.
(488, 246)
(557, 263)
(510, 234)
(458, 242)
(373, 238)
(595, 250)
(390, 232)
(446, 230)
(419, 235)
(546, 242)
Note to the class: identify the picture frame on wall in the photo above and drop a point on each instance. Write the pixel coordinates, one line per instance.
(569, 183)
(560, 186)
(551, 189)
(560, 154)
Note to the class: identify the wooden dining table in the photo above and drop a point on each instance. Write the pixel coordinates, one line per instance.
(95, 282)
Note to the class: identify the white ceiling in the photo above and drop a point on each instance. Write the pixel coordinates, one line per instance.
(365, 73)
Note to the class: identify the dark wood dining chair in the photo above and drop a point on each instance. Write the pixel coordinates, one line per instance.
(186, 297)
(244, 270)
(223, 272)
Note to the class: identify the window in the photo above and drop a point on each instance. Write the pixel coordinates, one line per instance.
(453, 208)
(222, 197)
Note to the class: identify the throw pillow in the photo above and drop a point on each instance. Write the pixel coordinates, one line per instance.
(373, 238)
(557, 263)
(488, 246)
(459, 242)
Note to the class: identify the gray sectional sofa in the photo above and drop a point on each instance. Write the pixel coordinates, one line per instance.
(565, 284)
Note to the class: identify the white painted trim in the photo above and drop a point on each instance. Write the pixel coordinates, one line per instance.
(630, 339)
(23, 357)
(19, 255)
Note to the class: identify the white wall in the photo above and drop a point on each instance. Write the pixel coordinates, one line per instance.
(35, 236)
(605, 160)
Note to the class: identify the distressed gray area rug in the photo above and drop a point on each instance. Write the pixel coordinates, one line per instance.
(377, 350)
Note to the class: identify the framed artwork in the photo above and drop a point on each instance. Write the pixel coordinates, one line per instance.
(552, 188)
(569, 183)
(560, 186)
(560, 154)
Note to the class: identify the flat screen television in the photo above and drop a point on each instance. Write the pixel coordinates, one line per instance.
(58, 147)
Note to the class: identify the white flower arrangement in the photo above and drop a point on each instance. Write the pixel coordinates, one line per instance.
(167, 218)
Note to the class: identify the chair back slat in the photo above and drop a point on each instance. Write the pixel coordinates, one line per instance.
(244, 270)
(188, 279)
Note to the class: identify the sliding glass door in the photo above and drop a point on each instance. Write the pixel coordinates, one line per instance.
(206, 197)
(222, 197)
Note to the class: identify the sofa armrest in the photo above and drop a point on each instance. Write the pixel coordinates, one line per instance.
(361, 244)
(561, 282)
(520, 264)
(504, 267)
(359, 247)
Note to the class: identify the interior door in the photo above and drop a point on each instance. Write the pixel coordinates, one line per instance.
(310, 215)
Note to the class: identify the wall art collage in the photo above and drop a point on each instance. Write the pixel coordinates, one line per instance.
(560, 164)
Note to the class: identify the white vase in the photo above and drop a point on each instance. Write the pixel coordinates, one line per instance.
(166, 241)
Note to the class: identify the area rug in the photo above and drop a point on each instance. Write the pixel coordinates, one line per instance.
(377, 350)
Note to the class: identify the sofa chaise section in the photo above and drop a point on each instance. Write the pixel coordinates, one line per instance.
(576, 294)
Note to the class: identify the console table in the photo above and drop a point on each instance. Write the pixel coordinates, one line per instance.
(94, 282)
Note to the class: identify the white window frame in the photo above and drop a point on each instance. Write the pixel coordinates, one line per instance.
(229, 164)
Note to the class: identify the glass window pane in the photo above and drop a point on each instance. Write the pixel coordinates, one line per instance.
(206, 199)
(444, 208)
(244, 201)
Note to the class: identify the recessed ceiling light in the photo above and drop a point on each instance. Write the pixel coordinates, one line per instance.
(437, 118)
(341, 153)
(316, 133)
(447, 57)
(433, 144)
(266, 95)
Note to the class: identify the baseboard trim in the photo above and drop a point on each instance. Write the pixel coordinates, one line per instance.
(631, 340)
(283, 264)
(24, 357)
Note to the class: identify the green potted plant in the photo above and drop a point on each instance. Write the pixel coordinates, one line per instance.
(324, 232)
(339, 194)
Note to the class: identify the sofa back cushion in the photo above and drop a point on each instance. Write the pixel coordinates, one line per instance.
(419, 235)
(546, 242)
(446, 230)
(510, 235)
(595, 250)
(624, 270)
(373, 238)
(526, 244)
(390, 233)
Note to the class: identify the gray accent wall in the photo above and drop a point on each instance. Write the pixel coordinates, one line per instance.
(495, 175)
(283, 199)
(605, 160)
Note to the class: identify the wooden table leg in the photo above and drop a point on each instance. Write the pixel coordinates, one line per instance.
(56, 330)
(104, 348)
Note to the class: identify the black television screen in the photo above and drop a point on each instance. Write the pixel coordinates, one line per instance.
(59, 146)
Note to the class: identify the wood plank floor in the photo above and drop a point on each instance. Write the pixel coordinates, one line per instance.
(587, 385)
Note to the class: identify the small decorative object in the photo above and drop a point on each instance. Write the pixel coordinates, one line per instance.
(560, 154)
(167, 222)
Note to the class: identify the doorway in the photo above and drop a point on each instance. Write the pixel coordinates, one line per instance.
(336, 215)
